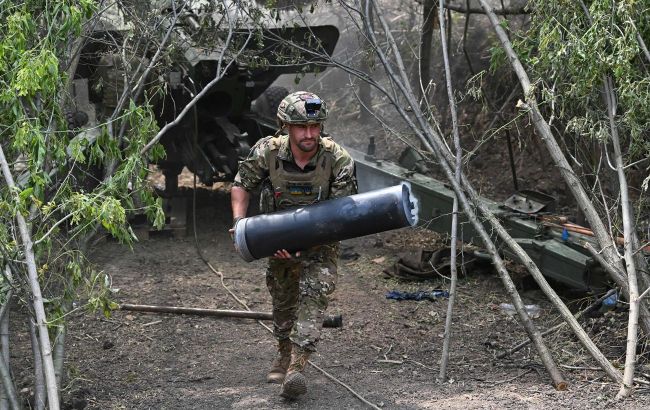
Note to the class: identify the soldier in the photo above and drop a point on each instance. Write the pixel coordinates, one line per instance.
(296, 169)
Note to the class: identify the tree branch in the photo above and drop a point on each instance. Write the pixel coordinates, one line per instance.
(473, 10)
(442, 375)
(39, 309)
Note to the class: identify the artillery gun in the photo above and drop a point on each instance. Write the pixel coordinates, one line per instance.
(206, 39)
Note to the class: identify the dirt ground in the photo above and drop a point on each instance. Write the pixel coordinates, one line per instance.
(387, 351)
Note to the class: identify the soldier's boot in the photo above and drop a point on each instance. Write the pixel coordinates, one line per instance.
(281, 362)
(295, 382)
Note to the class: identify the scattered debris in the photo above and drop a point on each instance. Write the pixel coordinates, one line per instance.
(424, 264)
(419, 295)
(534, 311)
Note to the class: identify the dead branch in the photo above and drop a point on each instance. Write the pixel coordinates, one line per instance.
(329, 321)
(242, 314)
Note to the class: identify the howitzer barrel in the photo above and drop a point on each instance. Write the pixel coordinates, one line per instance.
(326, 222)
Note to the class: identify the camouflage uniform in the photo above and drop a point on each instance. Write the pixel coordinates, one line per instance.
(299, 286)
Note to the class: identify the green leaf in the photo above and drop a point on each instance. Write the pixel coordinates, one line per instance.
(26, 193)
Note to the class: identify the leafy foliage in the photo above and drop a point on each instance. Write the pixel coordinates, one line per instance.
(69, 182)
(572, 49)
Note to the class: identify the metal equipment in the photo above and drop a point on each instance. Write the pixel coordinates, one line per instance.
(558, 250)
(236, 111)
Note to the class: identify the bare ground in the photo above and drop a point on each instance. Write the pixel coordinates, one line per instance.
(388, 351)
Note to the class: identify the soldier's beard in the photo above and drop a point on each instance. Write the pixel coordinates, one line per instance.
(307, 145)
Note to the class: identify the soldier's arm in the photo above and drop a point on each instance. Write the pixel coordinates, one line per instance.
(251, 172)
(239, 200)
(344, 181)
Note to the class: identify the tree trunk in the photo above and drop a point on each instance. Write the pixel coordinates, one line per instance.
(628, 235)
(434, 142)
(8, 390)
(8, 384)
(59, 353)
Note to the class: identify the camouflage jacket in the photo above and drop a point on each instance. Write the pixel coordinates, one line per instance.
(254, 170)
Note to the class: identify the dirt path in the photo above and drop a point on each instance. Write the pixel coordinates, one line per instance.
(151, 361)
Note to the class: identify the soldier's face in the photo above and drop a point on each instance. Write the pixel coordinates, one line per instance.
(304, 136)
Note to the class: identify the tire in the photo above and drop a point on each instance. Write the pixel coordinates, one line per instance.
(266, 104)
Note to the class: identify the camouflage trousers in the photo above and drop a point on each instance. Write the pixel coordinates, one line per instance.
(299, 288)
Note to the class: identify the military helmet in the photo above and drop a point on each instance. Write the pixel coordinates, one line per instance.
(302, 107)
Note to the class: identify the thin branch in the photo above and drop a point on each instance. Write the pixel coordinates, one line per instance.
(442, 375)
(557, 327)
(47, 234)
(472, 10)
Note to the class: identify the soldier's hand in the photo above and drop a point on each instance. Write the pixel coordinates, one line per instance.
(284, 254)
